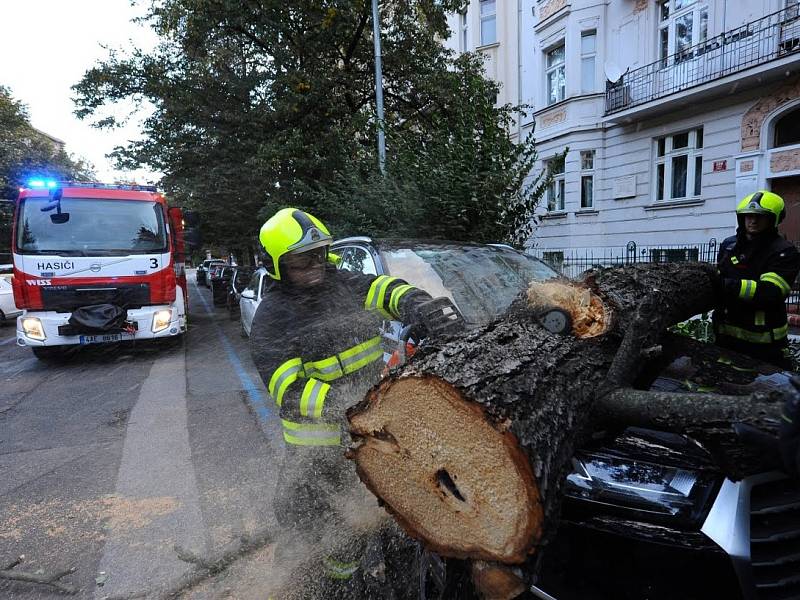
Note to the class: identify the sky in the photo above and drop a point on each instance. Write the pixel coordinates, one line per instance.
(45, 48)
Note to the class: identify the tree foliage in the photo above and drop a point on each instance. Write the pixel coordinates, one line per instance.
(264, 104)
(27, 152)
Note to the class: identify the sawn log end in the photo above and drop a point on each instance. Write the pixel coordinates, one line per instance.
(450, 476)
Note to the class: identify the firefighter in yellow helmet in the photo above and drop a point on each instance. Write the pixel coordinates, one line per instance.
(758, 268)
(316, 343)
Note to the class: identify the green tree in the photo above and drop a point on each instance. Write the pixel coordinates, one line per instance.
(26, 152)
(259, 105)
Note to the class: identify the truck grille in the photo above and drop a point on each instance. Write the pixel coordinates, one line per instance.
(68, 298)
(775, 539)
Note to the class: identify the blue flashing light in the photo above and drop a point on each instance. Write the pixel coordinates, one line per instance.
(43, 183)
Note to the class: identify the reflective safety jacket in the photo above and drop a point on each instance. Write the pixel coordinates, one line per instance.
(758, 275)
(319, 349)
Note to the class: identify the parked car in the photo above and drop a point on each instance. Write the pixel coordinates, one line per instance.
(251, 297)
(647, 514)
(202, 271)
(220, 284)
(214, 272)
(8, 310)
(241, 277)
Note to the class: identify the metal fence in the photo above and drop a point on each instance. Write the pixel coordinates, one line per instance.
(572, 262)
(769, 38)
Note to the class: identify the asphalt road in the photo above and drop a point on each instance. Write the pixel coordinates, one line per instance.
(115, 456)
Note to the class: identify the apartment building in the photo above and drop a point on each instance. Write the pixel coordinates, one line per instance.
(671, 110)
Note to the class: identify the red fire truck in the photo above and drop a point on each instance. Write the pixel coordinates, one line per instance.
(96, 263)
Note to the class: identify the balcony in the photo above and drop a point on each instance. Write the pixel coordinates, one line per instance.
(763, 48)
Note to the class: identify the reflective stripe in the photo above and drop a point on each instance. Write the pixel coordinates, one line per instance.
(786, 418)
(360, 356)
(326, 369)
(339, 570)
(376, 297)
(311, 434)
(283, 377)
(734, 260)
(397, 294)
(761, 318)
(778, 281)
(764, 337)
(313, 398)
(747, 289)
(346, 362)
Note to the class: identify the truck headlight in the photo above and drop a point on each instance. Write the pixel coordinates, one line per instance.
(161, 320)
(32, 326)
(659, 490)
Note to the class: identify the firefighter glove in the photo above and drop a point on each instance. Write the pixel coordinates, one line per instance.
(731, 287)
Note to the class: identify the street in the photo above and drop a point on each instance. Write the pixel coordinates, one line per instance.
(113, 458)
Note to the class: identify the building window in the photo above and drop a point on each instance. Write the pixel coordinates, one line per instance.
(588, 54)
(556, 75)
(488, 22)
(555, 191)
(679, 165)
(587, 178)
(787, 129)
(682, 24)
(464, 31)
(792, 9)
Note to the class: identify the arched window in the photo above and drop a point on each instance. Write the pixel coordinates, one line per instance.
(787, 129)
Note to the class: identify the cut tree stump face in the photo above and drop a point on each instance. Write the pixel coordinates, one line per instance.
(590, 316)
(449, 475)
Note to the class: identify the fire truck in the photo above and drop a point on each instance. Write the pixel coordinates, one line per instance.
(96, 263)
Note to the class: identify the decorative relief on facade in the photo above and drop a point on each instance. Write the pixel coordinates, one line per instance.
(552, 118)
(550, 8)
(788, 160)
(753, 120)
(746, 166)
(640, 6)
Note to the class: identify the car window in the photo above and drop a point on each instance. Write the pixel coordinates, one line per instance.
(357, 259)
(255, 280)
(481, 280)
(266, 281)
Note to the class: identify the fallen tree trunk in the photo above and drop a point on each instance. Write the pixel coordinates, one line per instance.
(468, 445)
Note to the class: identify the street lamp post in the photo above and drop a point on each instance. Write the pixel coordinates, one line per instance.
(376, 36)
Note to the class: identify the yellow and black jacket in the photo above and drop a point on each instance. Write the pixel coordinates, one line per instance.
(757, 276)
(319, 349)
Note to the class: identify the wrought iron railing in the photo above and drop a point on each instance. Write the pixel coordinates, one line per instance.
(572, 262)
(769, 38)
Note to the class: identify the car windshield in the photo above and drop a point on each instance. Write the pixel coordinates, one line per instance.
(481, 280)
(95, 226)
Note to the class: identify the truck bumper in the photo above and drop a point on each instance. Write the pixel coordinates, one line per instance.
(143, 317)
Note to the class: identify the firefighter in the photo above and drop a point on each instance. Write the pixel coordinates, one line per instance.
(315, 342)
(757, 268)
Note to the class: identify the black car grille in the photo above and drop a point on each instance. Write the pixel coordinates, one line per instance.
(775, 539)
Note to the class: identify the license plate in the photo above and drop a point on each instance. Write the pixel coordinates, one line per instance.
(104, 338)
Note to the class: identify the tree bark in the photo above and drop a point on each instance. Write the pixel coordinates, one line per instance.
(469, 444)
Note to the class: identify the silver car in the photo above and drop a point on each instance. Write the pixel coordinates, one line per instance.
(8, 309)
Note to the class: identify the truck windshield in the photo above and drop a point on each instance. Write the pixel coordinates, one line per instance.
(95, 227)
